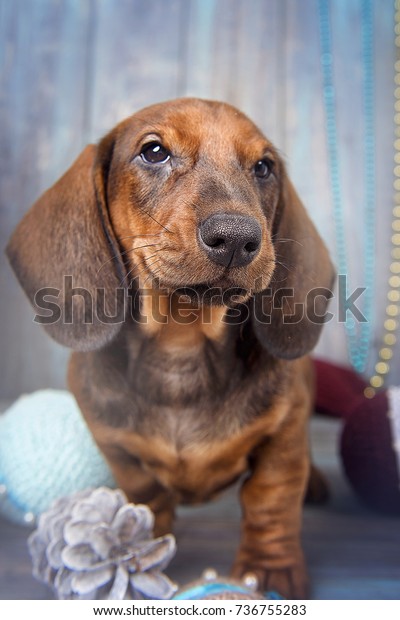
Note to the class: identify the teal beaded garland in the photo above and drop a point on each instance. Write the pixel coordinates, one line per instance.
(359, 336)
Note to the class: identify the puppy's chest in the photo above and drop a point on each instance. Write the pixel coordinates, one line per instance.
(182, 377)
(180, 392)
(185, 395)
(203, 398)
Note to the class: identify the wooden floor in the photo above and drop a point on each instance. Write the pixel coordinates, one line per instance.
(352, 553)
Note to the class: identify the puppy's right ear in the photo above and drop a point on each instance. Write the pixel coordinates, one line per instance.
(65, 249)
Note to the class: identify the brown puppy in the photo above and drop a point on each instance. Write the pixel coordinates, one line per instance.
(186, 274)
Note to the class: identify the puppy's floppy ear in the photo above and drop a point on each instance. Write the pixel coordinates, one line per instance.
(288, 316)
(64, 250)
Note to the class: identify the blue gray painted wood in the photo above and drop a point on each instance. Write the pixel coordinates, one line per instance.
(71, 69)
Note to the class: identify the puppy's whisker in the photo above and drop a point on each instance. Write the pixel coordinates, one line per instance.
(151, 256)
(291, 268)
(282, 260)
(282, 264)
(144, 235)
(274, 279)
(125, 278)
(151, 274)
(156, 221)
(154, 262)
(284, 240)
(149, 245)
(144, 268)
(148, 278)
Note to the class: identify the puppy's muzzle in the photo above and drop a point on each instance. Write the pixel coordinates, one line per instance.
(230, 240)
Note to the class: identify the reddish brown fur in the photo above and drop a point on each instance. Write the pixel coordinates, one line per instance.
(183, 406)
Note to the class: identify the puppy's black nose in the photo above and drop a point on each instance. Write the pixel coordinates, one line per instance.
(230, 240)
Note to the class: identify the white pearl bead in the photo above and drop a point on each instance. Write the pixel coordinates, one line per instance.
(250, 581)
(210, 574)
(29, 517)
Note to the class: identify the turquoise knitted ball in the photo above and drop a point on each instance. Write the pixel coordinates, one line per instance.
(46, 452)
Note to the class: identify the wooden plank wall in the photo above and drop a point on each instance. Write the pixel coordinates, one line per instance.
(70, 69)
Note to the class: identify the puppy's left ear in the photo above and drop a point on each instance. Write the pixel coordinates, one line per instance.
(289, 315)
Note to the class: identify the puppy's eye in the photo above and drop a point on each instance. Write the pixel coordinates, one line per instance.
(263, 168)
(154, 153)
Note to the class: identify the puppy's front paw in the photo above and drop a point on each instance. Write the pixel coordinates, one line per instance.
(290, 582)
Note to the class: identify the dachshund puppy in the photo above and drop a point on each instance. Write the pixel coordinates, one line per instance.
(177, 261)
